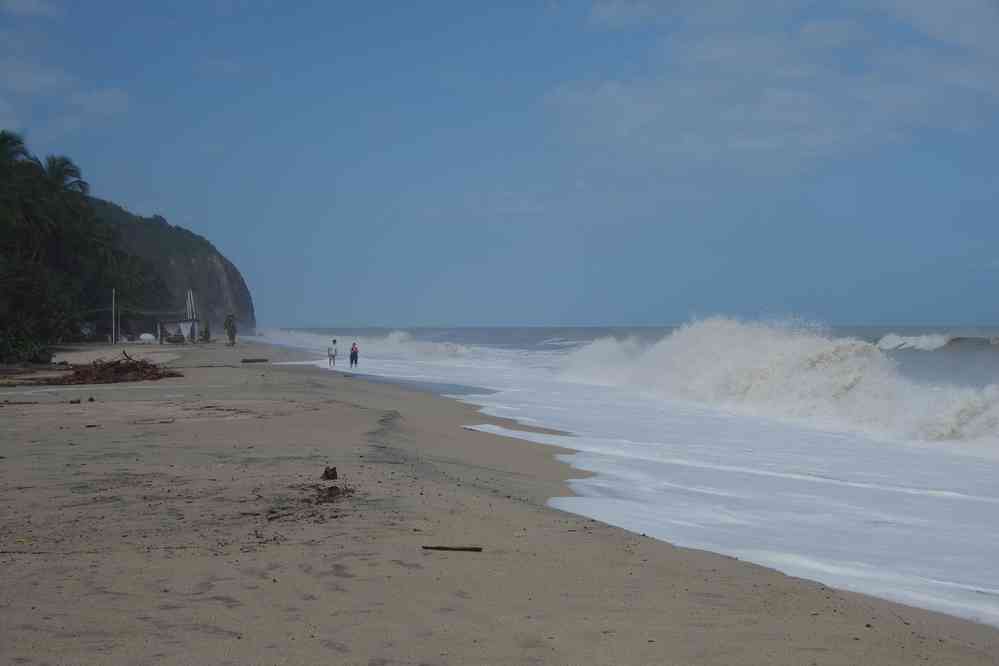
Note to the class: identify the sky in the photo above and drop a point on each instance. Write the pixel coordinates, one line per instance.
(562, 163)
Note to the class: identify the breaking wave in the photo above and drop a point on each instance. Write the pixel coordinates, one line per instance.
(559, 342)
(393, 344)
(790, 371)
(933, 342)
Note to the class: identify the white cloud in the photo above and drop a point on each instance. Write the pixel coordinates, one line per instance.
(42, 8)
(970, 24)
(49, 99)
(84, 109)
(782, 83)
(60, 103)
(105, 102)
(26, 77)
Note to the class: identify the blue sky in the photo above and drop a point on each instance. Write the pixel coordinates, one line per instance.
(607, 162)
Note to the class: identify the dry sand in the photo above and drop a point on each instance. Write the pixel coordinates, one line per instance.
(178, 522)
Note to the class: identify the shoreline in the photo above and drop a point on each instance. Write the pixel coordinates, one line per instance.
(508, 427)
(138, 528)
(595, 505)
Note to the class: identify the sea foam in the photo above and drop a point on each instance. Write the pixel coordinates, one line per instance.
(778, 443)
(790, 371)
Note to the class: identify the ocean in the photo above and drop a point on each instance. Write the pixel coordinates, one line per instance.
(865, 458)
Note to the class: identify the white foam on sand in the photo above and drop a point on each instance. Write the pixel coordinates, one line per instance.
(762, 453)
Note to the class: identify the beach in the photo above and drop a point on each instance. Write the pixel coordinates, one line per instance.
(186, 521)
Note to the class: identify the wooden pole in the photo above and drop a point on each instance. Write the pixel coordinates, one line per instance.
(113, 326)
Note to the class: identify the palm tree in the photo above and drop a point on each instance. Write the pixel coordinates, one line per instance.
(12, 148)
(13, 154)
(63, 175)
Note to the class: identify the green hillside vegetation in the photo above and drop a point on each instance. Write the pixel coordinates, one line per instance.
(149, 236)
(58, 258)
(185, 261)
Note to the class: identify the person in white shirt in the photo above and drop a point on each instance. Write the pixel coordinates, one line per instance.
(332, 353)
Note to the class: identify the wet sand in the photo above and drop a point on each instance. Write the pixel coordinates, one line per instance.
(184, 521)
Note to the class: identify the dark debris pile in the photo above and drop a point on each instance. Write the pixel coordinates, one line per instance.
(125, 369)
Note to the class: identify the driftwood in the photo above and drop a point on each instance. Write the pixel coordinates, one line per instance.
(125, 369)
(463, 549)
(255, 360)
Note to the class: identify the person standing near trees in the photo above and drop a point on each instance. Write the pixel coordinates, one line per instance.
(230, 329)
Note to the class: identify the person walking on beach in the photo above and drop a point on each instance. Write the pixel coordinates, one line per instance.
(353, 354)
(230, 329)
(332, 353)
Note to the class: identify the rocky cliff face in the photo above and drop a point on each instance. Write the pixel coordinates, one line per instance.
(185, 260)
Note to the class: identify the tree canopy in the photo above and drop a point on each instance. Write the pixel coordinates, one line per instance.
(58, 260)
